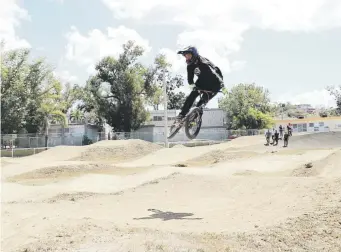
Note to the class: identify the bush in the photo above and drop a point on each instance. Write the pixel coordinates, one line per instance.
(323, 114)
(86, 140)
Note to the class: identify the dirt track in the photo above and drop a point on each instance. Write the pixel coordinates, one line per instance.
(136, 196)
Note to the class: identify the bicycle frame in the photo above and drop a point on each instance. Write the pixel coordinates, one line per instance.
(201, 107)
(202, 92)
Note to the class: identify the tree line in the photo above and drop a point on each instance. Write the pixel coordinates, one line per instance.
(32, 96)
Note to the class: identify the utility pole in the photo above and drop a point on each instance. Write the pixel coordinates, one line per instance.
(2, 43)
(165, 108)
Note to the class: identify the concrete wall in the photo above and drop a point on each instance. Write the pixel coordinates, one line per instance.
(73, 134)
(144, 133)
(214, 118)
(210, 118)
(156, 134)
(313, 124)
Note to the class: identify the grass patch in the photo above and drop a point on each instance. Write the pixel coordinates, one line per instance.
(20, 152)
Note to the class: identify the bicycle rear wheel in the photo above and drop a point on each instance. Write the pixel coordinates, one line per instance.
(193, 120)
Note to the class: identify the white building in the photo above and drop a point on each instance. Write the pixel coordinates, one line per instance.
(306, 108)
(72, 134)
(303, 106)
(213, 126)
(312, 124)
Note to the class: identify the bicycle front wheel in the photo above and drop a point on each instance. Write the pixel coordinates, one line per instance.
(174, 129)
(193, 123)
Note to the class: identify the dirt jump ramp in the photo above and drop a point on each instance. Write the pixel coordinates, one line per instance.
(323, 140)
(103, 151)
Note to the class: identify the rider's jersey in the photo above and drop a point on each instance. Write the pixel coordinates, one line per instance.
(209, 75)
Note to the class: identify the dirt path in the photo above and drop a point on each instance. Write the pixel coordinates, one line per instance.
(227, 197)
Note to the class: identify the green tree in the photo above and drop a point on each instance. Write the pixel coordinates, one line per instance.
(336, 92)
(70, 94)
(156, 74)
(119, 90)
(247, 106)
(44, 90)
(28, 91)
(176, 100)
(325, 112)
(14, 94)
(156, 99)
(91, 106)
(77, 115)
(288, 110)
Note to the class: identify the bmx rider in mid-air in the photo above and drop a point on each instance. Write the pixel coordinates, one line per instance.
(209, 76)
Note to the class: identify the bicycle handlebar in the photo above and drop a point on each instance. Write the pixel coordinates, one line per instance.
(208, 91)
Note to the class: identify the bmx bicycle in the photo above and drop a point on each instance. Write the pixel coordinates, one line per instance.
(193, 119)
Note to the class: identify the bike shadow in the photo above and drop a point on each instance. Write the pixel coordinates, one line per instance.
(165, 216)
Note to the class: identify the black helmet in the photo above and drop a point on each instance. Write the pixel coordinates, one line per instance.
(192, 50)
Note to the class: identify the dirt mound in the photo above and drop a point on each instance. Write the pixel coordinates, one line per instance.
(5, 161)
(57, 173)
(71, 196)
(320, 140)
(58, 153)
(109, 150)
(326, 167)
(217, 156)
(247, 141)
(247, 173)
(118, 150)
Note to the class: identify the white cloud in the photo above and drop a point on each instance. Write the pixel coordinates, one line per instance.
(214, 44)
(315, 98)
(66, 76)
(293, 15)
(86, 49)
(273, 14)
(57, 1)
(11, 15)
(238, 65)
(178, 63)
(128, 8)
(216, 27)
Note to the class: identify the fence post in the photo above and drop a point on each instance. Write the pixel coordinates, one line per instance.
(12, 151)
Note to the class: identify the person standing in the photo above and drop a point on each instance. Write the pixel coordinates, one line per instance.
(289, 129)
(268, 136)
(276, 136)
(286, 139)
(280, 132)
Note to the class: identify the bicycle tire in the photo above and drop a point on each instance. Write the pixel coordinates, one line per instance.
(171, 135)
(188, 121)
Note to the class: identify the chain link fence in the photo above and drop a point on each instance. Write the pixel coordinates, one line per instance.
(21, 152)
(17, 145)
(204, 134)
(38, 141)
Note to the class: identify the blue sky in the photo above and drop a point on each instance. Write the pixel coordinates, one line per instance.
(291, 48)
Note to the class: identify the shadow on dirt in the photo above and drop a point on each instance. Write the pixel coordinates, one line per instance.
(165, 216)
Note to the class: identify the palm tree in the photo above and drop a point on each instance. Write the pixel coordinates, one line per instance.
(52, 112)
(77, 115)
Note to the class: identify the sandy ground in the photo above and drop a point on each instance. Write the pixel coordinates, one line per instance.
(136, 196)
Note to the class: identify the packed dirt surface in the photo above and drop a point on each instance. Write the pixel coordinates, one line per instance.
(132, 195)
